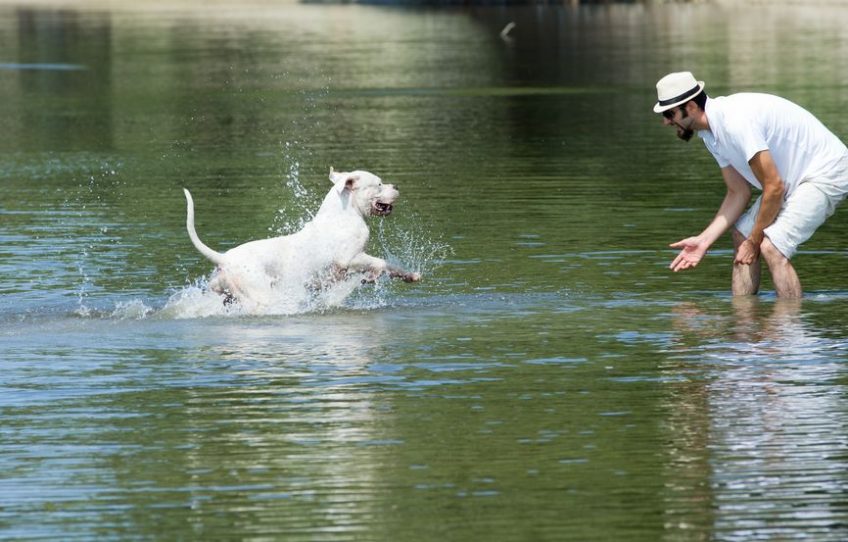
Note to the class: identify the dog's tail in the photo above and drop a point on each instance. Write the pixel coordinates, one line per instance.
(215, 257)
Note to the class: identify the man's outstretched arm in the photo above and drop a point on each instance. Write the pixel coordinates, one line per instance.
(735, 200)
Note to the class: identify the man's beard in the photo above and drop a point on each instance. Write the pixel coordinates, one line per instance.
(684, 133)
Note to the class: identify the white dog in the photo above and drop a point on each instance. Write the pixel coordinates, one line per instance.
(331, 245)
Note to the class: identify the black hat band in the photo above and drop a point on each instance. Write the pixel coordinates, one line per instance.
(685, 96)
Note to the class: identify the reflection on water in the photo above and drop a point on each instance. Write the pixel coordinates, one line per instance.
(548, 380)
(764, 408)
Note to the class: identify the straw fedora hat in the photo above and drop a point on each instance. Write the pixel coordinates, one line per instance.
(675, 89)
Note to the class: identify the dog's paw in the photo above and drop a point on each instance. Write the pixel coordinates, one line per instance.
(228, 298)
(370, 278)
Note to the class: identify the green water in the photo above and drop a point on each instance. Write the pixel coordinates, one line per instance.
(549, 379)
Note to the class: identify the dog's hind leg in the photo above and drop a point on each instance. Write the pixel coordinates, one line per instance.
(221, 284)
(229, 298)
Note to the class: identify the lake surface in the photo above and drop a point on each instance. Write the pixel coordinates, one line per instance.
(549, 379)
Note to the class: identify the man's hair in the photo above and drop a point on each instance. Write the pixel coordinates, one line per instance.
(700, 100)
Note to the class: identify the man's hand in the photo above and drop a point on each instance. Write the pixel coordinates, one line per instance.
(747, 252)
(693, 250)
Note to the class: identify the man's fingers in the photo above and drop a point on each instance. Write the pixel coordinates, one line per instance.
(681, 264)
(744, 258)
(675, 262)
(685, 243)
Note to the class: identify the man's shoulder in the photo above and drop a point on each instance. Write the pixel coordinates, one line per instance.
(743, 110)
(750, 100)
(756, 102)
(731, 113)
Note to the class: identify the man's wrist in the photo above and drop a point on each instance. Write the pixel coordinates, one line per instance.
(756, 238)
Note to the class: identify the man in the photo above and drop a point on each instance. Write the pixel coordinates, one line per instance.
(774, 145)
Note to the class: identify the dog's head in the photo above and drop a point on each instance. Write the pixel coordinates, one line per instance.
(367, 192)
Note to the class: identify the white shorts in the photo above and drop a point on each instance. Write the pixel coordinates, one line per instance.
(807, 207)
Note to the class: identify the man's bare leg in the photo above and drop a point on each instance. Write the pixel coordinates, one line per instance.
(783, 274)
(746, 278)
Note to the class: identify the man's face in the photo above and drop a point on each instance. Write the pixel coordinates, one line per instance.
(680, 119)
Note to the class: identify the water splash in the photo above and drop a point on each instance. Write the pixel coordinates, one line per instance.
(85, 284)
(412, 246)
(135, 309)
(294, 151)
(196, 300)
(302, 201)
(98, 175)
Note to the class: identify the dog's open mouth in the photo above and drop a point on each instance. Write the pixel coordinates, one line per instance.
(381, 209)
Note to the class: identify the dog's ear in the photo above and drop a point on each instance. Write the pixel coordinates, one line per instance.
(334, 177)
(350, 182)
(343, 180)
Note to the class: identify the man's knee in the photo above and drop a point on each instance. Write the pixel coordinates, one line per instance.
(737, 236)
(771, 254)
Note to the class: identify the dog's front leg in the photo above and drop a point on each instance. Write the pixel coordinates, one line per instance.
(406, 276)
(374, 267)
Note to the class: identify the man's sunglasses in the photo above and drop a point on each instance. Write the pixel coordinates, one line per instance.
(669, 113)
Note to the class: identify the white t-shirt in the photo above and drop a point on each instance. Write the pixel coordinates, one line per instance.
(741, 125)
